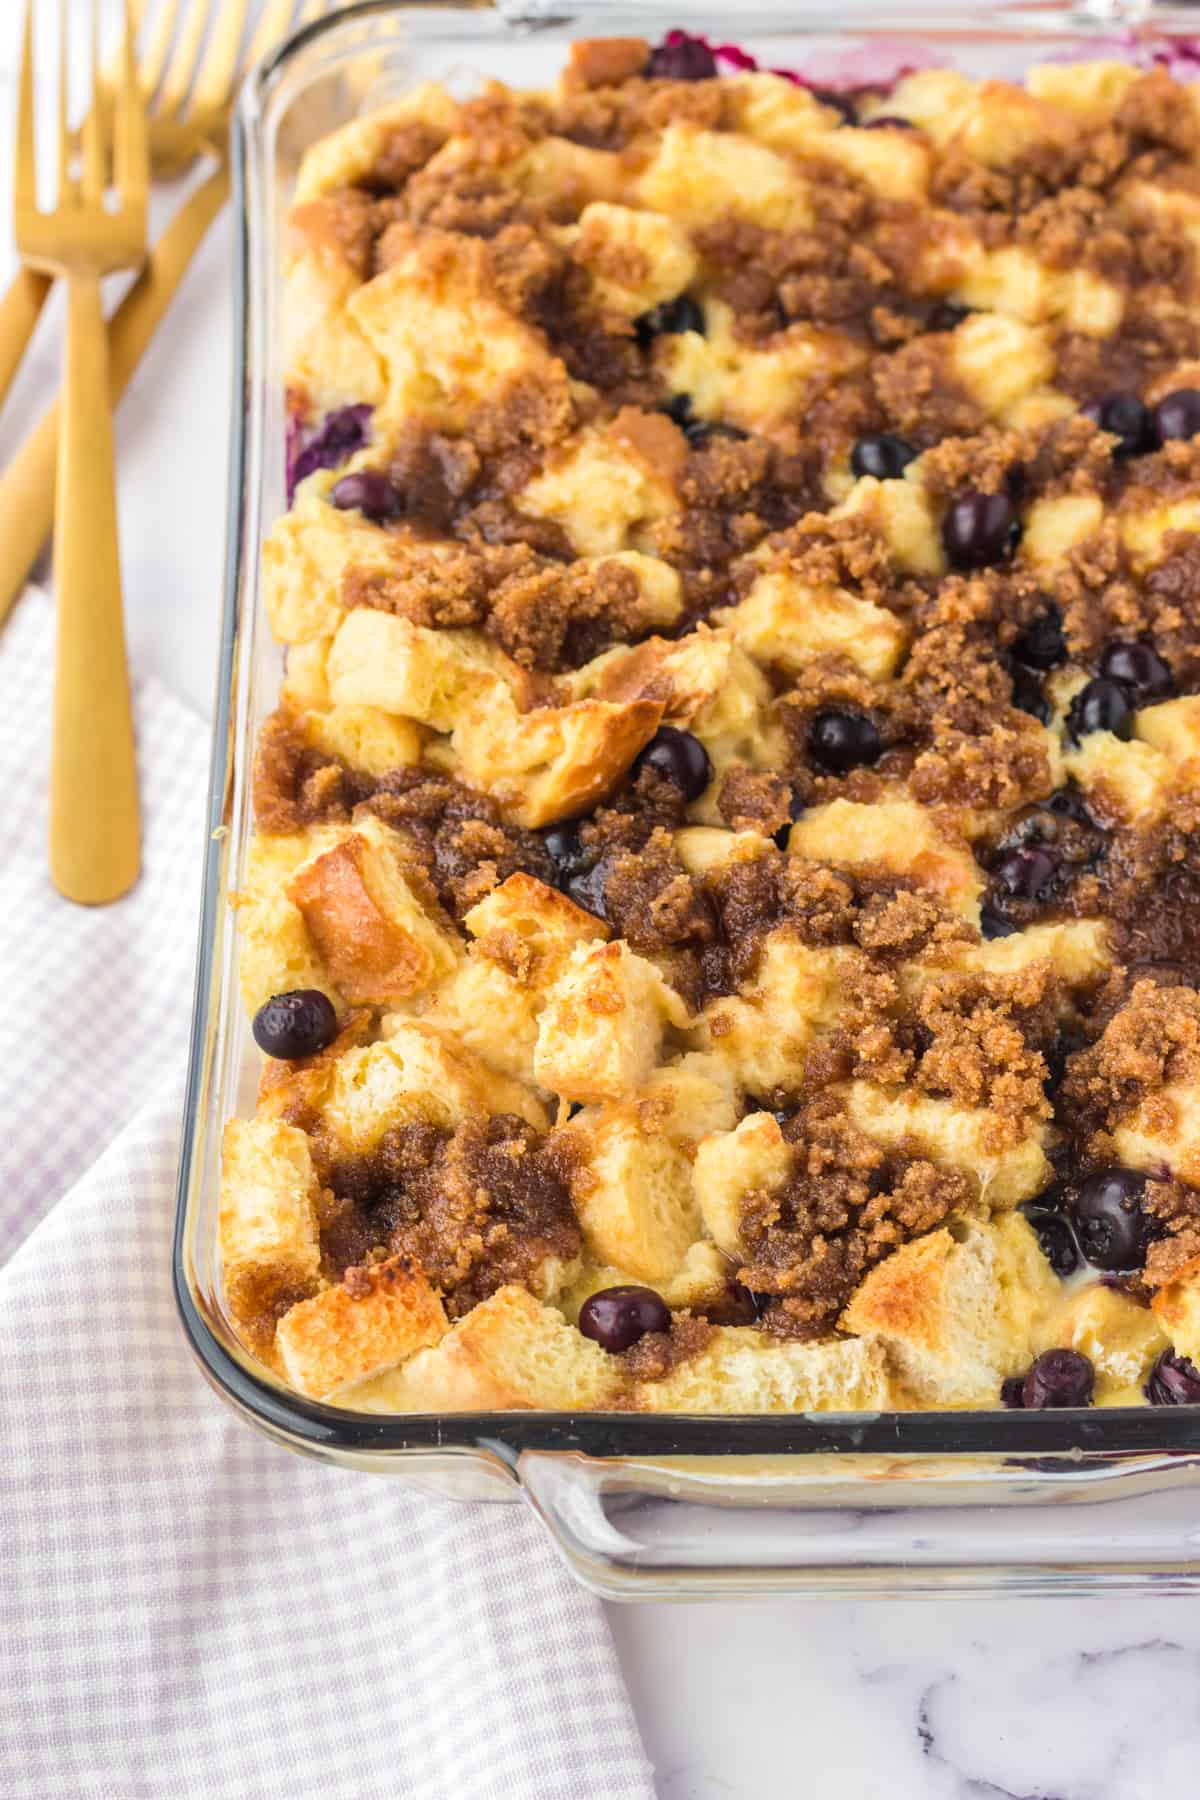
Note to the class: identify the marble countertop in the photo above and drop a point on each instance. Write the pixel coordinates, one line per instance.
(980, 1699)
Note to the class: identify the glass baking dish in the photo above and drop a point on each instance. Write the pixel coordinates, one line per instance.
(641, 1506)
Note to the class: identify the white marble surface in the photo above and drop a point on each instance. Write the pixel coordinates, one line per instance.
(983, 1699)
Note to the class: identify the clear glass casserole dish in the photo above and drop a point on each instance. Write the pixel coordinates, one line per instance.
(641, 1506)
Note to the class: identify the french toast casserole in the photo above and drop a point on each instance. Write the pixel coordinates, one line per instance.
(723, 920)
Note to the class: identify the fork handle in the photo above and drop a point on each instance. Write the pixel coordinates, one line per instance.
(19, 312)
(94, 832)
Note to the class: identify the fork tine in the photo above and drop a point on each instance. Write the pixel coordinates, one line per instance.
(216, 73)
(91, 134)
(181, 69)
(66, 181)
(26, 170)
(132, 159)
(154, 59)
(275, 20)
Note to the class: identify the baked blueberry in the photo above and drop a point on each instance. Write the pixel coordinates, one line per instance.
(1109, 1221)
(586, 885)
(946, 316)
(1173, 1381)
(980, 529)
(1101, 706)
(1026, 872)
(1058, 1378)
(370, 493)
(566, 851)
(1177, 415)
(699, 431)
(993, 924)
(617, 1317)
(1054, 1232)
(1128, 421)
(885, 457)
(795, 809)
(1027, 695)
(1069, 803)
(678, 756)
(841, 741)
(1011, 1391)
(1041, 645)
(679, 410)
(298, 1023)
(681, 58)
(841, 103)
(1139, 667)
(888, 122)
(669, 319)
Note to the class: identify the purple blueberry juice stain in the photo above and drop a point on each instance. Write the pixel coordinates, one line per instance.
(336, 438)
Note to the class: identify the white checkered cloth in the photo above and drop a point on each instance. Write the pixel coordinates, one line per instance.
(188, 1610)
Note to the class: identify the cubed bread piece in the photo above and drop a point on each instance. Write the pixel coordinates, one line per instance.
(700, 176)
(1120, 1339)
(954, 1137)
(276, 954)
(702, 1278)
(891, 161)
(744, 1371)
(489, 1012)
(364, 737)
(601, 491)
(760, 389)
(938, 100)
(1000, 360)
(1145, 524)
(1013, 281)
(1077, 949)
(703, 848)
(328, 358)
(418, 1073)
(689, 1099)
(552, 762)
(530, 929)
(379, 660)
(343, 158)
(632, 1191)
(447, 343)
(763, 1034)
(1129, 783)
(755, 1158)
(1092, 91)
(904, 515)
(353, 1333)
(601, 1030)
(786, 623)
(895, 836)
(959, 1310)
(509, 1352)
(778, 112)
(1163, 1132)
(374, 933)
(636, 258)
(305, 558)
(1053, 526)
(267, 1223)
(1173, 729)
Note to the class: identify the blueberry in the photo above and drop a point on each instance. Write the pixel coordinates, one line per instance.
(295, 1024)
(1138, 666)
(888, 122)
(566, 851)
(1069, 803)
(1177, 415)
(585, 886)
(681, 58)
(1027, 695)
(946, 316)
(1124, 416)
(1173, 1381)
(1011, 1391)
(885, 457)
(1058, 1378)
(370, 493)
(795, 808)
(980, 529)
(668, 320)
(617, 1317)
(1041, 645)
(841, 103)
(1025, 873)
(678, 756)
(1054, 1233)
(1109, 1221)
(840, 741)
(993, 924)
(1101, 706)
(679, 410)
(700, 431)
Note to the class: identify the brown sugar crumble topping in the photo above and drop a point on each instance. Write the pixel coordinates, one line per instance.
(742, 603)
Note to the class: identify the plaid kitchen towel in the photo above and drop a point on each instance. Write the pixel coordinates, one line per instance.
(188, 1610)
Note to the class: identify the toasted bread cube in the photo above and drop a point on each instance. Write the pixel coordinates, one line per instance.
(636, 259)
(342, 158)
(341, 1336)
(1120, 1339)
(1077, 948)
(1145, 525)
(371, 930)
(1005, 124)
(602, 1027)
(779, 113)
(530, 929)
(327, 357)
(490, 1013)
(554, 762)
(267, 1222)
(688, 1099)
(896, 835)
(1173, 727)
(418, 1073)
(602, 493)
(1054, 526)
(755, 1158)
(1000, 360)
(1163, 1132)
(726, 378)
(510, 1352)
(364, 737)
(744, 1371)
(938, 100)
(698, 176)
(1128, 782)
(305, 557)
(1092, 91)
(702, 1277)
(703, 848)
(785, 623)
(954, 1137)
(892, 162)
(379, 660)
(276, 954)
(959, 1310)
(633, 1193)
(904, 514)
(763, 1035)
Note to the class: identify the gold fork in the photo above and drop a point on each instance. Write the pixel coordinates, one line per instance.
(94, 834)
(190, 116)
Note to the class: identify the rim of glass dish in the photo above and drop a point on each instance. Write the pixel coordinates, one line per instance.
(1068, 1437)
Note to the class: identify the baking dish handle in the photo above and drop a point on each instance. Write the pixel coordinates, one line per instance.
(934, 1525)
